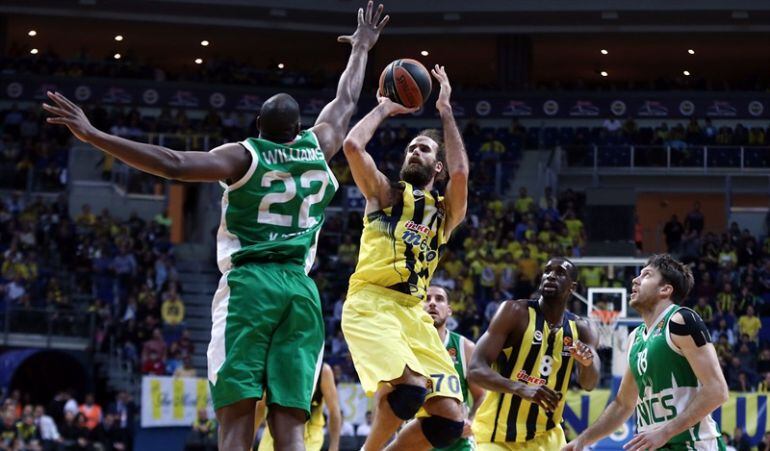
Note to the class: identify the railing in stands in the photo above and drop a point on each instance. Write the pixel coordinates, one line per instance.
(51, 326)
(670, 157)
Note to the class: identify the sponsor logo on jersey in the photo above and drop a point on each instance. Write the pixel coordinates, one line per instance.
(524, 377)
(411, 225)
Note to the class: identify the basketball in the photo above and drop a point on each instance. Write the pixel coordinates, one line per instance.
(406, 81)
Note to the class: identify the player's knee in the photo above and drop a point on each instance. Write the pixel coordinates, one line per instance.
(441, 432)
(405, 400)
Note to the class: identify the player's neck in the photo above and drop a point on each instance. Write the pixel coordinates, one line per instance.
(553, 311)
(651, 315)
(442, 332)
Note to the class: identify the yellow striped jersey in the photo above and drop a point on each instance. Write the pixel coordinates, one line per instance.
(542, 358)
(401, 245)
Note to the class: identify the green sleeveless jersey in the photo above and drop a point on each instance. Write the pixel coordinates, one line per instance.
(666, 382)
(454, 345)
(275, 211)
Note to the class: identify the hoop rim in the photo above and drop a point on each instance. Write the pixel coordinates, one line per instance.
(606, 317)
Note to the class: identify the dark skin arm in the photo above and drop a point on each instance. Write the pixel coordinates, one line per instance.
(226, 162)
(506, 328)
(584, 353)
(332, 124)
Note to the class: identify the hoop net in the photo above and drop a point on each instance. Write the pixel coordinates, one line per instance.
(605, 322)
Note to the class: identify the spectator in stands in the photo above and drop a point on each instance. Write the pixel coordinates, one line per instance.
(491, 149)
(92, 411)
(27, 434)
(612, 125)
(156, 344)
(75, 435)
(124, 409)
(348, 252)
(741, 440)
(203, 436)
(154, 364)
(694, 219)
(673, 230)
(172, 309)
(749, 324)
(721, 327)
(764, 445)
(726, 298)
(186, 369)
(764, 385)
(523, 203)
(49, 433)
(7, 431)
(107, 436)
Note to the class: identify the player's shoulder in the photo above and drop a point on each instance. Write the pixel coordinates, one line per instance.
(683, 315)
(512, 306)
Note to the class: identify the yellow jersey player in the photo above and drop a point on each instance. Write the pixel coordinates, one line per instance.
(325, 393)
(525, 360)
(397, 353)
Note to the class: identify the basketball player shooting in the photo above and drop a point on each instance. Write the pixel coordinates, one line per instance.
(673, 380)
(396, 351)
(525, 361)
(276, 188)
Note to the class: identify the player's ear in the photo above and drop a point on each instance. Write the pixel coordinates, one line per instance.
(666, 290)
(439, 167)
(299, 128)
(258, 127)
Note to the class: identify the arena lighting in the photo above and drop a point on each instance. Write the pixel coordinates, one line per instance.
(205, 43)
(33, 51)
(603, 73)
(116, 56)
(281, 66)
(424, 53)
(198, 60)
(686, 73)
(119, 37)
(604, 51)
(32, 33)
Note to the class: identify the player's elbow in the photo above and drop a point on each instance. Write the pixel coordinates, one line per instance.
(351, 146)
(476, 374)
(721, 392)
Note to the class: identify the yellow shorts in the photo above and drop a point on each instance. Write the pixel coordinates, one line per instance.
(387, 331)
(314, 439)
(552, 440)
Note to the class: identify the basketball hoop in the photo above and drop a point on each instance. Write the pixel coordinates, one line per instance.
(605, 322)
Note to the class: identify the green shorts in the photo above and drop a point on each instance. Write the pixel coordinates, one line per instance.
(463, 444)
(267, 336)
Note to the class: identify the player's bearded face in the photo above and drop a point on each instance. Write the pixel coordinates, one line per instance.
(419, 166)
(645, 289)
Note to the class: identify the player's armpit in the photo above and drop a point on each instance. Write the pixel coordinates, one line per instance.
(686, 323)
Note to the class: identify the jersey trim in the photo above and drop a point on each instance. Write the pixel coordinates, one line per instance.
(326, 163)
(253, 167)
(648, 331)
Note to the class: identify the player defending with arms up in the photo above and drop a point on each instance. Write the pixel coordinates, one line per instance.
(460, 350)
(673, 379)
(395, 348)
(276, 189)
(525, 361)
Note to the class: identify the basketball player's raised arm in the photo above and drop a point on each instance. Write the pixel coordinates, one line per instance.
(456, 157)
(511, 317)
(329, 392)
(374, 185)
(333, 121)
(690, 335)
(584, 353)
(226, 162)
(616, 413)
(477, 393)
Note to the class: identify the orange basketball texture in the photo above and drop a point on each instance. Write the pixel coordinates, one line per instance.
(406, 81)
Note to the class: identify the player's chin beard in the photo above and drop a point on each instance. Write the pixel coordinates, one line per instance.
(438, 322)
(416, 174)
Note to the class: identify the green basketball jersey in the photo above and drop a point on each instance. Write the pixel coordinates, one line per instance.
(666, 382)
(454, 345)
(275, 212)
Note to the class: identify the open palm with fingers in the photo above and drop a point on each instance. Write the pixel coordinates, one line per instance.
(70, 115)
(369, 27)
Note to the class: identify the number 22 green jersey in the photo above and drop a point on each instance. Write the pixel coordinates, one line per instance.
(275, 211)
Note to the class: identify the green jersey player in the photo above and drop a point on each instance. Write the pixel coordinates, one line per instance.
(673, 381)
(267, 333)
(460, 350)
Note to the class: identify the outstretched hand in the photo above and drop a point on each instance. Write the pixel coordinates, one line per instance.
(443, 103)
(72, 116)
(369, 27)
(582, 353)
